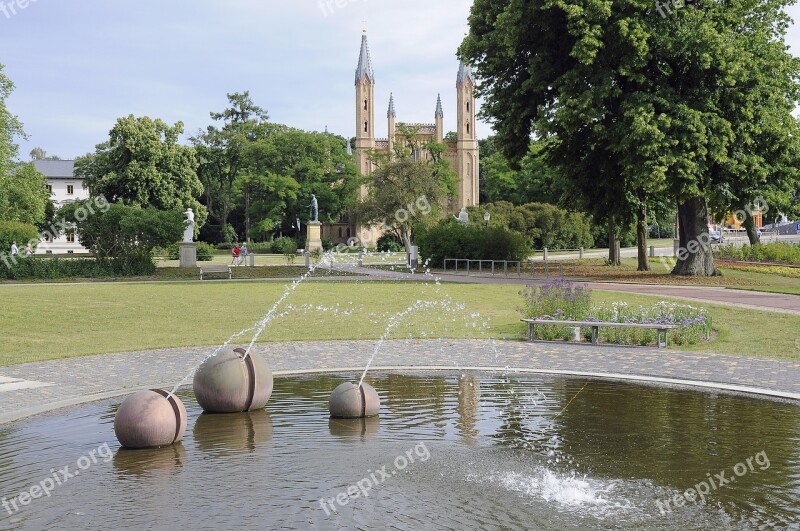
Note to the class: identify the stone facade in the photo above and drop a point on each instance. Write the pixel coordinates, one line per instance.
(462, 151)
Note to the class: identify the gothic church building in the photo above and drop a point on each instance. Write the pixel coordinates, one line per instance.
(462, 151)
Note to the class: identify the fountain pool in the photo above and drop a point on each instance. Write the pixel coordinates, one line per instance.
(448, 451)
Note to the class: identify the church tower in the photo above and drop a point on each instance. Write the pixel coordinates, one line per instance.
(365, 108)
(467, 147)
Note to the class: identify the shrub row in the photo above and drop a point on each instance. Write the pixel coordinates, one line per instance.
(780, 252)
(475, 242)
(63, 268)
(543, 224)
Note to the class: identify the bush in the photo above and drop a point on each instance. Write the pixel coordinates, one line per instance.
(475, 242)
(327, 244)
(779, 252)
(284, 244)
(12, 231)
(42, 268)
(205, 252)
(543, 224)
(390, 243)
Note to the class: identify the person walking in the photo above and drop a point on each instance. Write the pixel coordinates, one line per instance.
(236, 252)
(244, 253)
(14, 249)
(28, 251)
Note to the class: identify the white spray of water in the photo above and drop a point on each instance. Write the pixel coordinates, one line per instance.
(258, 327)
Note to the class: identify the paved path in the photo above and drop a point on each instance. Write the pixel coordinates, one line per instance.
(85, 379)
(757, 300)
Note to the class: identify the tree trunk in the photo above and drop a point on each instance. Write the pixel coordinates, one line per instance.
(247, 217)
(613, 242)
(749, 225)
(694, 254)
(641, 239)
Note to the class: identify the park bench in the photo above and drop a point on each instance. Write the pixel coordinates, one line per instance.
(661, 329)
(215, 268)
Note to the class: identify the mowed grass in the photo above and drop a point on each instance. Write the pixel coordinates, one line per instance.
(41, 322)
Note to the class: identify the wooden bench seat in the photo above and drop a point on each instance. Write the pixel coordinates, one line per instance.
(215, 268)
(662, 330)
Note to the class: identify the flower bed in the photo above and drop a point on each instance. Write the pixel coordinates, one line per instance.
(561, 300)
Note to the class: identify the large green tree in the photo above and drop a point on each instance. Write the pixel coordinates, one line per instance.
(23, 195)
(636, 104)
(534, 181)
(283, 170)
(408, 188)
(220, 153)
(143, 165)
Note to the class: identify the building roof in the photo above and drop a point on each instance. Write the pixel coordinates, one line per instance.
(364, 69)
(464, 74)
(439, 111)
(56, 169)
(391, 112)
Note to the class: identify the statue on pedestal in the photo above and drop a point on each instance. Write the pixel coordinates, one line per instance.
(314, 214)
(188, 231)
(463, 217)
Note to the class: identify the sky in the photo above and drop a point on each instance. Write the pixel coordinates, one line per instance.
(78, 65)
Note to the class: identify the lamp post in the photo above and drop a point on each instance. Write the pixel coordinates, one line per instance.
(486, 217)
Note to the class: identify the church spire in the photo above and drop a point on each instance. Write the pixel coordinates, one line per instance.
(391, 112)
(364, 70)
(464, 74)
(439, 111)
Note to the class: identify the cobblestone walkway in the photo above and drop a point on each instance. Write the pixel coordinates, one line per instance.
(90, 378)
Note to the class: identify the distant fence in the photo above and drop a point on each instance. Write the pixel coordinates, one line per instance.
(527, 268)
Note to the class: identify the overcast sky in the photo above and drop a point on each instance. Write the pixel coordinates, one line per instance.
(78, 65)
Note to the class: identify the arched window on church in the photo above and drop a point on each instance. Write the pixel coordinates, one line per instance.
(365, 105)
(467, 127)
(467, 106)
(366, 127)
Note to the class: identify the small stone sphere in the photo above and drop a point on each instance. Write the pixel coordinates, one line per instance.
(149, 419)
(231, 383)
(347, 401)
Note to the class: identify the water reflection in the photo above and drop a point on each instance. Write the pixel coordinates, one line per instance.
(248, 431)
(149, 461)
(537, 452)
(354, 428)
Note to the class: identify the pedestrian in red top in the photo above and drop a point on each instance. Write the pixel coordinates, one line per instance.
(236, 252)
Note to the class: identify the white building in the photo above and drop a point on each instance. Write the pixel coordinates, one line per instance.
(64, 188)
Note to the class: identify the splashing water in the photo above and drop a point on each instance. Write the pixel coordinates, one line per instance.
(261, 325)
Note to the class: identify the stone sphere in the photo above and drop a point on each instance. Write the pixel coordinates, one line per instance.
(149, 419)
(347, 401)
(231, 383)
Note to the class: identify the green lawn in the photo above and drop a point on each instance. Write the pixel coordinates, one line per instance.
(40, 322)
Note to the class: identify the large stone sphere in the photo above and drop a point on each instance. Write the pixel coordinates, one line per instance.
(149, 419)
(231, 383)
(348, 401)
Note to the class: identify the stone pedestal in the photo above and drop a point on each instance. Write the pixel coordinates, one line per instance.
(314, 240)
(188, 254)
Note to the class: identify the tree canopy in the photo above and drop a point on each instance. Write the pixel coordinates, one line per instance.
(143, 165)
(407, 189)
(23, 195)
(696, 104)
